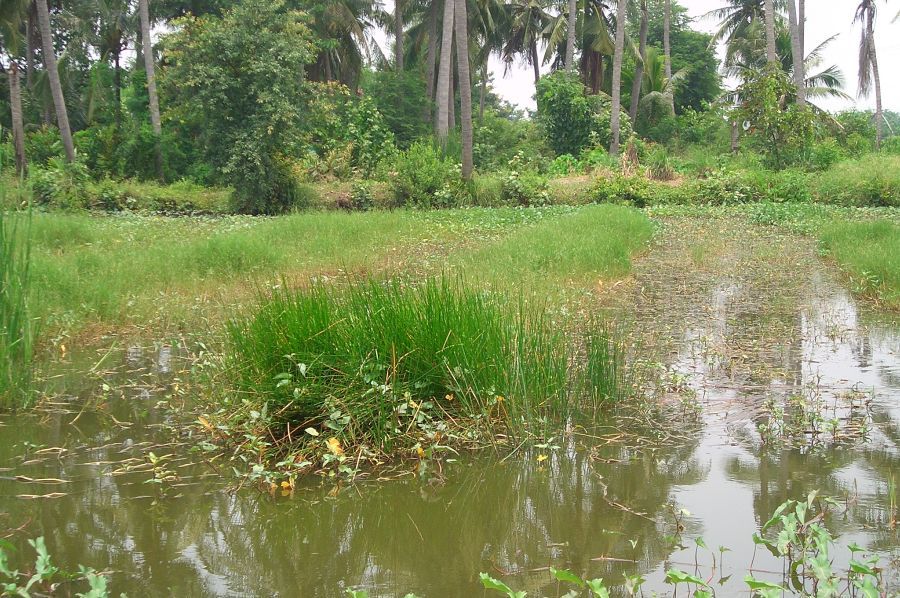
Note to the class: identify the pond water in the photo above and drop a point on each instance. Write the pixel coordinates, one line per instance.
(600, 511)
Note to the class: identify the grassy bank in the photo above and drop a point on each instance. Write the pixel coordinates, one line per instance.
(869, 252)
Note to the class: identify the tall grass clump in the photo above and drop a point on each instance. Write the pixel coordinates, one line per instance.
(390, 360)
(16, 334)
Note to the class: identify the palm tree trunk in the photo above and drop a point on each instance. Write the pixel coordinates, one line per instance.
(797, 53)
(771, 49)
(876, 76)
(18, 125)
(667, 47)
(398, 36)
(117, 82)
(801, 26)
(59, 101)
(535, 62)
(451, 108)
(482, 96)
(735, 137)
(432, 50)
(29, 45)
(465, 86)
(617, 77)
(442, 126)
(637, 84)
(150, 67)
(570, 32)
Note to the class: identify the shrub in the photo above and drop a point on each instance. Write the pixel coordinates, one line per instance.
(573, 119)
(873, 181)
(722, 187)
(362, 198)
(781, 134)
(891, 146)
(825, 154)
(61, 184)
(486, 190)
(564, 165)
(621, 189)
(422, 176)
(525, 189)
(43, 144)
(785, 186)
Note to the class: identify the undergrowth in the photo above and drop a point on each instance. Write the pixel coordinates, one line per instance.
(16, 326)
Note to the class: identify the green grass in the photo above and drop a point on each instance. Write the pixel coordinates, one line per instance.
(372, 362)
(16, 326)
(590, 244)
(873, 180)
(870, 253)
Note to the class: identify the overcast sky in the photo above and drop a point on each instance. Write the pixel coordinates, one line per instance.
(824, 19)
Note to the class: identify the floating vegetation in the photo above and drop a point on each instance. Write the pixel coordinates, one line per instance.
(376, 368)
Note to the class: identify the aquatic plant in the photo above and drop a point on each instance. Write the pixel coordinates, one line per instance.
(384, 364)
(45, 576)
(16, 326)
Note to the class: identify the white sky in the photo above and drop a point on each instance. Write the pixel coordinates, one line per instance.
(824, 19)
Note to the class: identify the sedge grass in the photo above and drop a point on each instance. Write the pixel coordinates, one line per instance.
(357, 361)
(16, 326)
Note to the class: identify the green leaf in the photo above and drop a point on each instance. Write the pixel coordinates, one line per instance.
(759, 584)
(702, 594)
(701, 543)
(597, 588)
(311, 431)
(566, 576)
(677, 576)
(776, 516)
(862, 568)
(358, 593)
(490, 583)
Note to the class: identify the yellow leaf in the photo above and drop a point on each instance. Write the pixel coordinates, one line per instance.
(205, 423)
(334, 445)
(541, 458)
(420, 452)
(286, 485)
(500, 399)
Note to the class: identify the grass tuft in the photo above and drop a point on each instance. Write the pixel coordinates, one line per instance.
(870, 253)
(377, 354)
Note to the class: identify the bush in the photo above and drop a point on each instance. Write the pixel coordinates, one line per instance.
(573, 119)
(525, 189)
(779, 187)
(362, 198)
(722, 188)
(61, 184)
(564, 165)
(891, 146)
(825, 154)
(43, 144)
(424, 178)
(620, 189)
(873, 181)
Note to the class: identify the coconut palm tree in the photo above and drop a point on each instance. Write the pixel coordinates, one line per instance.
(442, 126)
(528, 20)
(667, 44)
(596, 43)
(398, 35)
(657, 87)
(465, 85)
(615, 117)
(868, 63)
(59, 102)
(11, 17)
(572, 23)
(796, 52)
(640, 61)
(771, 49)
(150, 67)
(344, 28)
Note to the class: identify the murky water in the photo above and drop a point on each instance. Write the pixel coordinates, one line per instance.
(601, 512)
